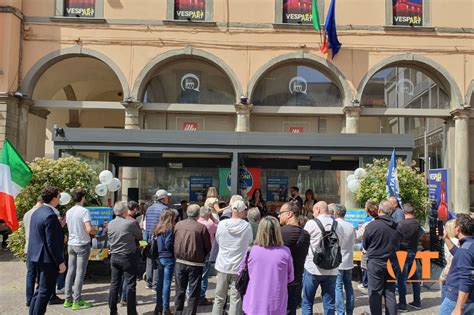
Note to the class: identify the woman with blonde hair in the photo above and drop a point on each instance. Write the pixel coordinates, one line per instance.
(212, 202)
(270, 268)
(164, 237)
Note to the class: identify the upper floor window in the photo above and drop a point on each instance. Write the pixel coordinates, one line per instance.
(408, 12)
(80, 8)
(190, 10)
(297, 11)
(296, 85)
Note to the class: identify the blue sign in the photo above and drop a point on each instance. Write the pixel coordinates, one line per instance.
(277, 188)
(99, 215)
(438, 194)
(356, 217)
(198, 186)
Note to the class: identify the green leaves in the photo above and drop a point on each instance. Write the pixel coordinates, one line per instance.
(413, 188)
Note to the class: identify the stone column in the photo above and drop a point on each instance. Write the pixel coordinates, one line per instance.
(243, 117)
(36, 143)
(24, 107)
(9, 118)
(132, 121)
(461, 160)
(351, 126)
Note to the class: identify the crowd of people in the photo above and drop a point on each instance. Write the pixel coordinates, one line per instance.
(287, 255)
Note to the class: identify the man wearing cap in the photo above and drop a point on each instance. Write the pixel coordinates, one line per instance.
(153, 213)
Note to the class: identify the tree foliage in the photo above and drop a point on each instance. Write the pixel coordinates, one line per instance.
(413, 187)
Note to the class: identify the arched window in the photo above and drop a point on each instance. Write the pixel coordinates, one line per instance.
(296, 85)
(189, 81)
(404, 87)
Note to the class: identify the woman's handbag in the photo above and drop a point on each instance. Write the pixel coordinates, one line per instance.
(243, 278)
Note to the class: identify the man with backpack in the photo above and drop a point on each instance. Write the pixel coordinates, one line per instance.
(323, 259)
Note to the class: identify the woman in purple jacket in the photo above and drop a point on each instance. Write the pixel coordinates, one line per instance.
(270, 269)
(164, 233)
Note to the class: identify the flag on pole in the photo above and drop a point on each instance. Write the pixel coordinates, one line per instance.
(392, 179)
(330, 33)
(315, 16)
(14, 176)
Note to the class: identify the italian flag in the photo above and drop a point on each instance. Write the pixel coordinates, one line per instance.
(14, 176)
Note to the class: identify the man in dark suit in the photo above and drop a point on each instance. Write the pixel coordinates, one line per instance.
(46, 249)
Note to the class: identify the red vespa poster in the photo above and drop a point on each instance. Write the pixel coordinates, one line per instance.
(79, 8)
(408, 12)
(297, 11)
(193, 10)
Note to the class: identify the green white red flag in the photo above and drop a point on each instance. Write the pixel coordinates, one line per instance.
(14, 176)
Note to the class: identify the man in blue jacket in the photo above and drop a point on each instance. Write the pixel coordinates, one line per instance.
(46, 249)
(459, 289)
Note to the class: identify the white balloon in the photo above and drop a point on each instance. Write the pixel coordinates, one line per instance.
(351, 178)
(65, 198)
(360, 172)
(114, 185)
(101, 190)
(105, 177)
(353, 186)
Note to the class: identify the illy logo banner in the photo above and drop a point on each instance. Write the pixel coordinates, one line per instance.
(190, 126)
(296, 129)
(425, 258)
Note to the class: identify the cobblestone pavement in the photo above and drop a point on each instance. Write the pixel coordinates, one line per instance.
(12, 294)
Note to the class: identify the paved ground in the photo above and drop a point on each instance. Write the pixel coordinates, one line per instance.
(12, 296)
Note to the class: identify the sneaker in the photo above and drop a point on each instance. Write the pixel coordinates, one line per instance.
(415, 305)
(206, 301)
(361, 286)
(80, 305)
(67, 303)
(56, 300)
(402, 308)
(60, 291)
(123, 303)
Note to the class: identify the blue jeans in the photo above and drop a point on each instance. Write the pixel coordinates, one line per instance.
(344, 281)
(402, 281)
(448, 306)
(310, 285)
(163, 286)
(205, 279)
(31, 276)
(151, 273)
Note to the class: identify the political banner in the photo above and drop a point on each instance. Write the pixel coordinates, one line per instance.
(408, 12)
(249, 180)
(190, 10)
(438, 193)
(297, 11)
(277, 188)
(198, 186)
(100, 218)
(356, 217)
(79, 8)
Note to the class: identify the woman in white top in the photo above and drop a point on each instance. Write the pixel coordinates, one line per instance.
(212, 202)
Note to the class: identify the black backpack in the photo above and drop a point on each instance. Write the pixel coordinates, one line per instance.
(328, 255)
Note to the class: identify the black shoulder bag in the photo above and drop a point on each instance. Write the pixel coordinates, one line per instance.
(243, 278)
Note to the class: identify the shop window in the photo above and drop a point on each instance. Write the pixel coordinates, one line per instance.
(296, 85)
(411, 13)
(404, 87)
(80, 8)
(297, 11)
(190, 82)
(190, 10)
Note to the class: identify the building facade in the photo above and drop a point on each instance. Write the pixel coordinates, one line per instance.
(212, 66)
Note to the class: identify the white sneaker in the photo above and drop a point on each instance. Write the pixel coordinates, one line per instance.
(60, 291)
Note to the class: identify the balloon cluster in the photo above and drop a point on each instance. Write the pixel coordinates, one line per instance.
(107, 183)
(353, 180)
(65, 198)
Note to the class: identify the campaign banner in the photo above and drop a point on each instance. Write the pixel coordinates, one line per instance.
(277, 188)
(249, 180)
(79, 8)
(190, 10)
(198, 186)
(438, 193)
(408, 12)
(100, 218)
(356, 217)
(297, 11)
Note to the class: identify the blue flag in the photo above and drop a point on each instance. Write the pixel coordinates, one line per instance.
(330, 28)
(392, 179)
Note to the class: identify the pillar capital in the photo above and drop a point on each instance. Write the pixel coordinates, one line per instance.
(352, 111)
(132, 105)
(461, 113)
(243, 117)
(26, 103)
(40, 112)
(242, 109)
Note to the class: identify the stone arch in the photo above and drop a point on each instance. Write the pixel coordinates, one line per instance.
(146, 73)
(29, 82)
(327, 66)
(470, 91)
(423, 63)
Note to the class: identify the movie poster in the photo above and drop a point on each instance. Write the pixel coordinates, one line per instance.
(198, 186)
(249, 179)
(194, 10)
(277, 188)
(297, 11)
(408, 12)
(79, 8)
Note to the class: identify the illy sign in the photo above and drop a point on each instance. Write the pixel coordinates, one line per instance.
(190, 126)
(296, 129)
